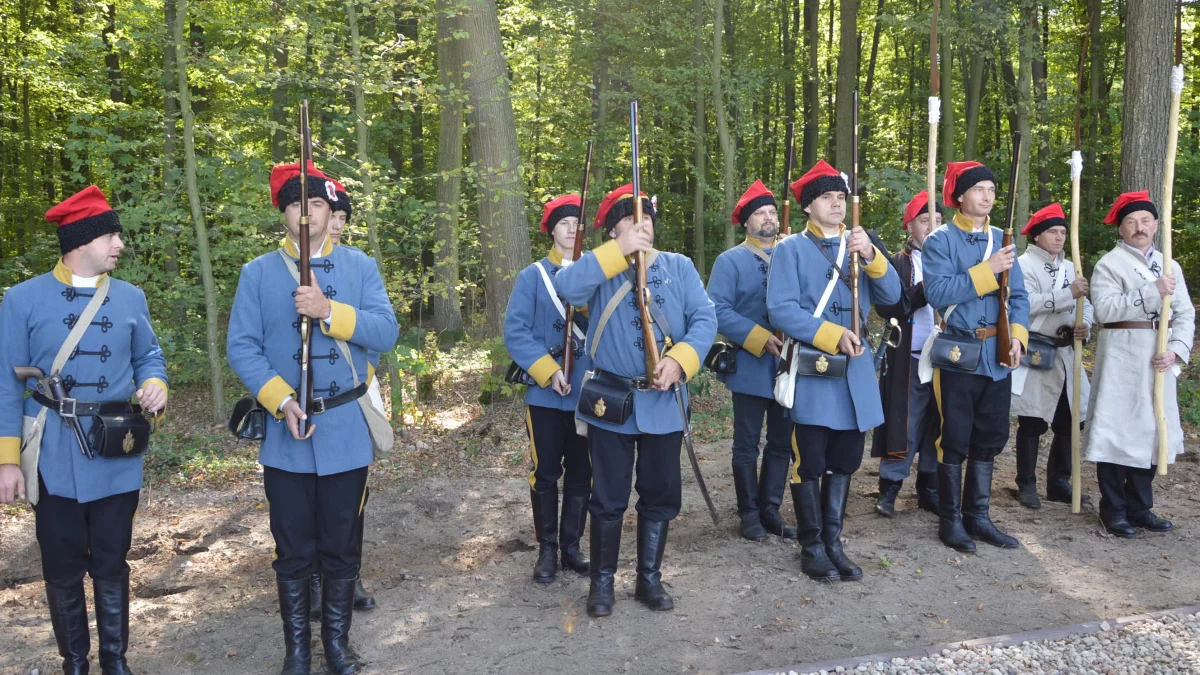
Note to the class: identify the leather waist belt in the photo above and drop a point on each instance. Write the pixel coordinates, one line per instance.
(320, 405)
(1064, 339)
(70, 407)
(979, 333)
(1135, 325)
(985, 333)
(635, 383)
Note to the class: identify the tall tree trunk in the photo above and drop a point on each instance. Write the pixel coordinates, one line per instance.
(812, 92)
(279, 116)
(503, 227)
(1148, 60)
(791, 33)
(976, 80)
(1041, 36)
(1095, 104)
(447, 307)
(946, 69)
(847, 82)
(216, 372)
(866, 127)
(412, 30)
(698, 253)
(600, 84)
(1028, 23)
(170, 170)
(723, 135)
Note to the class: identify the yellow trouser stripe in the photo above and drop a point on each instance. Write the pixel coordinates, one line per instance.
(533, 456)
(937, 395)
(795, 457)
(362, 503)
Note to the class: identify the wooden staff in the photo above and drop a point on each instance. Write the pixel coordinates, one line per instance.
(1164, 326)
(580, 230)
(1077, 373)
(935, 115)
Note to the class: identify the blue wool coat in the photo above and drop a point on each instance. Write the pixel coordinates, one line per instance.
(957, 273)
(264, 350)
(533, 326)
(799, 274)
(738, 289)
(118, 354)
(679, 294)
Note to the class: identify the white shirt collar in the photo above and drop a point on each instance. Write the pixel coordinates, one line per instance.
(1147, 256)
(84, 282)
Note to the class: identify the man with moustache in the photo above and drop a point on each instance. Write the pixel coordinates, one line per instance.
(737, 287)
(910, 424)
(1128, 285)
(1042, 385)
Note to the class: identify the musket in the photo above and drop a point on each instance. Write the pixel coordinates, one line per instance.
(1164, 319)
(935, 115)
(650, 341)
(304, 391)
(55, 389)
(855, 258)
(785, 222)
(568, 361)
(1003, 328)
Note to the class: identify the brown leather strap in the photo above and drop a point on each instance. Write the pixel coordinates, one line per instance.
(985, 333)
(1135, 325)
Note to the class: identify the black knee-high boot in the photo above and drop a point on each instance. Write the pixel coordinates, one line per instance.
(950, 521)
(652, 543)
(772, 481)
(545, 526)
(337, 612)
(68, 617)
(835, 491)
(294, 597)
(814, 561)
(574, 518)
(745, 485)
(977, 495)
(1027, 454)
(606, 547)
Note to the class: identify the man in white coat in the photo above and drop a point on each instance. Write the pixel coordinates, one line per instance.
(1043, 384)
(1128, 285)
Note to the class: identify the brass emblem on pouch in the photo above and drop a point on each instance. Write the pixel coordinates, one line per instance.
(1036, 358)
(955, 354)
(127, 442)
(599, 408)
(822, 364)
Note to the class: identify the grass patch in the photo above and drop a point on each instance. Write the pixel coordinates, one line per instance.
(180, 458)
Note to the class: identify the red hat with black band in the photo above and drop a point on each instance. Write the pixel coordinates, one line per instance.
(1046, 218)
(285, 185)
(343, 199)
(556, 209)
(754, 199)
(619, 204)
(82, 218)
(1128, 203)
(820, 179)
(962, 176)
(918, 205)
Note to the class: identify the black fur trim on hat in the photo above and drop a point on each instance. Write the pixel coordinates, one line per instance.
(82, 232)
(1045, 225)
(967, 179)
(564, 211)
(290, 192)
(625, 208)
(1136, 206)
(343, 204)
(820, 186)
(754, 205)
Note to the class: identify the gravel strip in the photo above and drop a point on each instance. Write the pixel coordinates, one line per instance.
(1167, 645)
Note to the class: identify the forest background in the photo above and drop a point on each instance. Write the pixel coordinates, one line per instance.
(453, 121)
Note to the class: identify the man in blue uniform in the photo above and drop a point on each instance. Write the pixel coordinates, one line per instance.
(836, 397)
(534, 330)
(910, 422)
(627, 408)
(738, 289)
(963, 261)
(84, 506)
(315, 484)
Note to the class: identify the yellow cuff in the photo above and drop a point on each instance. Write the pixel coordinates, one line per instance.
(985, 281)
(756, 341)
(370, 373)
(543, 369)
(155, 380)
(685, 356)
(272, 394)
(342, 319)
(10, 450)
(610, 259)
(1021, 333)
(878, 265)
(828, 336)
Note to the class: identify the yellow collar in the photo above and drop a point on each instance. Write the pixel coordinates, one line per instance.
(64, 274)
(751, 241)
(289, 247)
(967, 224)
(555, 256)
(816, 229)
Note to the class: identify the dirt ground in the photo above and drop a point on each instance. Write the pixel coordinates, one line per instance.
(449, 553)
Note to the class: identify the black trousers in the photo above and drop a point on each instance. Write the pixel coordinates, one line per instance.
(1124, 490)
(974, 412)
(748, 413)
(820, 450)
(614, 460)
(84, 538)
(315, 514)
(1058, 462)
(555, 449)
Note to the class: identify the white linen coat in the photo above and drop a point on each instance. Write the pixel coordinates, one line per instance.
(1122, 429)
(1051, 306)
